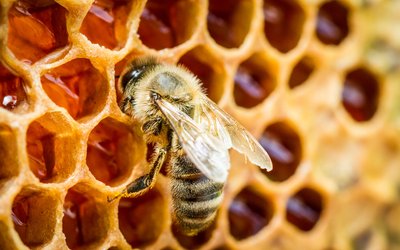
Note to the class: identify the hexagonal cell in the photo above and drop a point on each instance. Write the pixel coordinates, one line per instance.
(85, 220)
(9, 154)
(76, 86)
(34, 216)
(301, 72)
(332, 23)
(249, 212)
(193, 242)
(12, 93)
(254, 81)
(51, 146)
(228, 22)
(360, 94)
(303, 209)
(212, 76)
(36, 28)
(105, 23)
(113, 149)
(141, 219)
(283, 23)
(161, 22)
(283, 145)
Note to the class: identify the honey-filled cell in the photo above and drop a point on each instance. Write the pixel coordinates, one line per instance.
(141, 219)
(283, 23)
(46, 137)
(249, 212)
(36, 29)
(85, 219)
(211, 76)
(113, 149)
(304, 209)
(301, 72)
(34, 217)
(76, 86)
(332, 23)
(360, 94)
(105, 23)
(254, 81)
(161, 23)
(228, 22)
(283, 145)
(12, 92)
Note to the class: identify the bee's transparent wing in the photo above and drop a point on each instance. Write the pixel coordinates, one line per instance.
(241, 139)
(214, 125)
(206, 152)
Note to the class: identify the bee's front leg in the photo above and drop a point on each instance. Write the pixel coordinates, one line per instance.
(141, 184)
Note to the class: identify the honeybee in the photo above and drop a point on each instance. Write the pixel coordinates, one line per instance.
(184, 124)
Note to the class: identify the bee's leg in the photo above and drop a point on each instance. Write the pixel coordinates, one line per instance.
(141, 184)
(153, 126)
(127, 103)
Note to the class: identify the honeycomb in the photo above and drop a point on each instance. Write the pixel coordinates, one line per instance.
(317, 82)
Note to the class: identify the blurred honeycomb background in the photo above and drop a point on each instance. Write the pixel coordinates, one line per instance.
(317, 82)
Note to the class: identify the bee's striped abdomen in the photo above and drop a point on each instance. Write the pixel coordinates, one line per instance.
(195, 198)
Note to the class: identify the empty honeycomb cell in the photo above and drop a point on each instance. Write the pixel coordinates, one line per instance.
(332, 23)
(141, 219)
(161, 23)
(110, 17)
(8, 154)
(85, 219)
(360, 94)
(254, 81)
(196, 241)
(228, 22)
(249, 212)
(113, 149)
(211, 76)
(46, 137)
(12, 92)
(36, 29)
(301, 72)
(34, 217)
(283, 23)
(76, 86)
(283, 145)
(303, 209)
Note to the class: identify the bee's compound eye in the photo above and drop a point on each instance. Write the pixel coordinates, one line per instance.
(131, 76)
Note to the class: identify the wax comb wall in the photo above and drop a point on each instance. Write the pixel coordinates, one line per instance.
(317, 82)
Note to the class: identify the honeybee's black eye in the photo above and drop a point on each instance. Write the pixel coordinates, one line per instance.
(132, 76)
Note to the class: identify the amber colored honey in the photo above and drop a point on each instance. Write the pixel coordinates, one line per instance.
(47, 25)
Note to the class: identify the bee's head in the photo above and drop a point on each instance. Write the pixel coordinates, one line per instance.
(135, 71)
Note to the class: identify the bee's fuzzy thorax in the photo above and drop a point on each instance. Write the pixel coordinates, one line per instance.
(144, 106)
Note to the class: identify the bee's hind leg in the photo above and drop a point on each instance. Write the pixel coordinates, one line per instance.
(141, 184)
